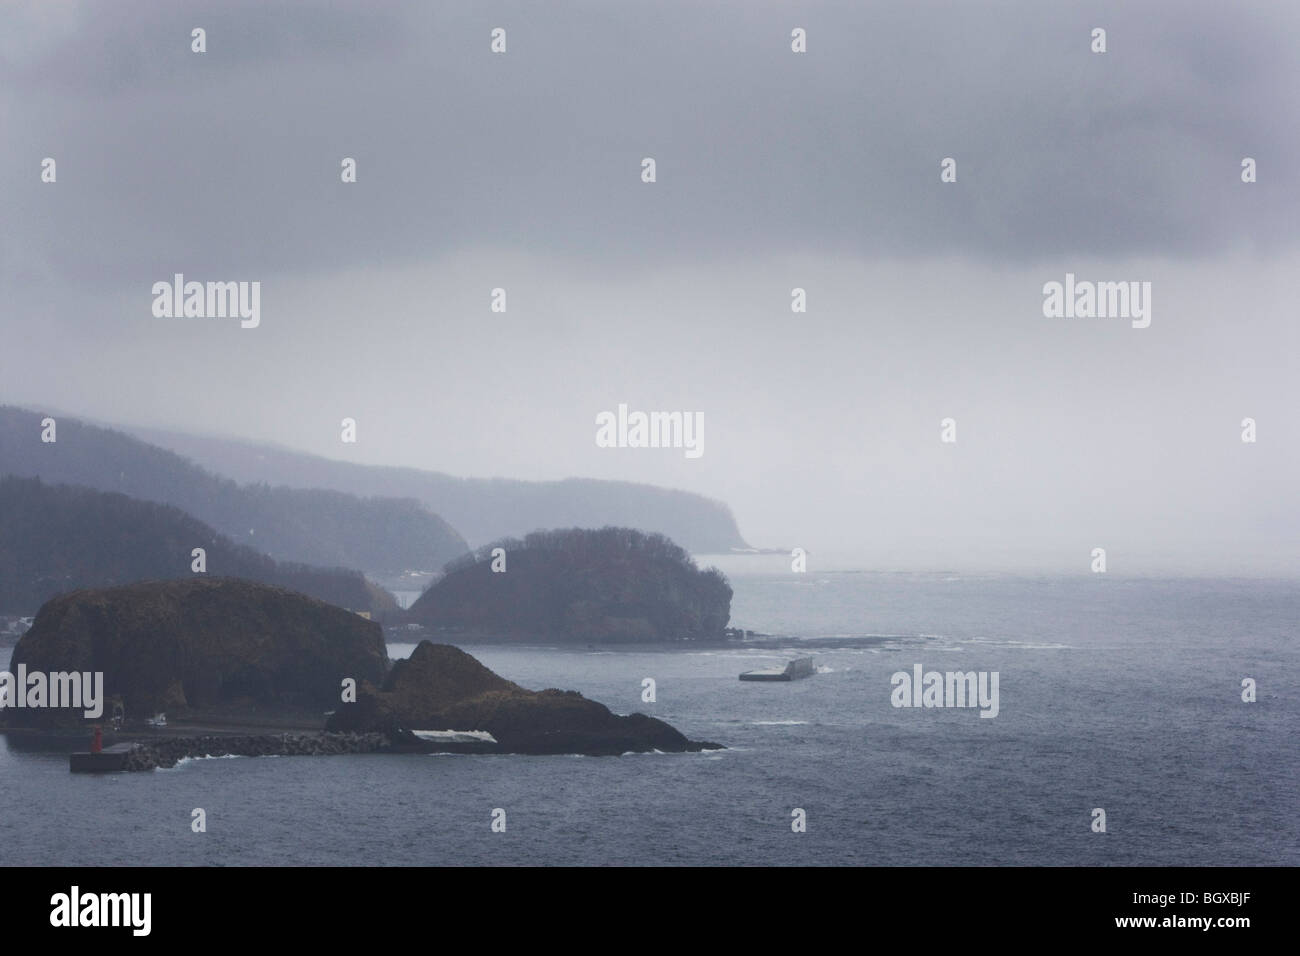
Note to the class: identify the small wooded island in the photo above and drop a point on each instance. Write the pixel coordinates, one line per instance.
(222, 655)
(605, 586)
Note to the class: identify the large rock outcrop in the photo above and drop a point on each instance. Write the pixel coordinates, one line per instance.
(440, 687)
(612, 585)
(202, 645)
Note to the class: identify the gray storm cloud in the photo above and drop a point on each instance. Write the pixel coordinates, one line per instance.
(231, 158)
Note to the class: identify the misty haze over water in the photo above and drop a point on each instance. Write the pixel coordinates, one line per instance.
(776, 171)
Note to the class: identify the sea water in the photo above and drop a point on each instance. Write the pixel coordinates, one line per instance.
(1121, 694)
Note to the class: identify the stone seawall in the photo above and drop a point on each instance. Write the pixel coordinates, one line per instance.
(170, 751)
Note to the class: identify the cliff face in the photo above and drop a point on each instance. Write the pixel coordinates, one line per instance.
(57, 538)
(612, 585)
(440, 687)
(201, 644)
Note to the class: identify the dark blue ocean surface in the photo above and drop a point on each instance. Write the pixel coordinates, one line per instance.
(1123, 694)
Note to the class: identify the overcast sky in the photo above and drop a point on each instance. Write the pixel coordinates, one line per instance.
(775, 170)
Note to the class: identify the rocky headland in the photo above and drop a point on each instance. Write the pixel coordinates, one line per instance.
(227, 660)
(440, 687)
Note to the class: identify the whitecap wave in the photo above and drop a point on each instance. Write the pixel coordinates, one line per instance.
(188, 760)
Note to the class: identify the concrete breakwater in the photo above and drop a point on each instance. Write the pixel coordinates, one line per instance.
(170, 751)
